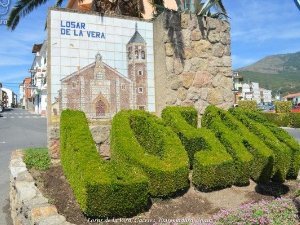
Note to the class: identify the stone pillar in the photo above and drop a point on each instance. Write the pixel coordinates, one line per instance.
(203, 75)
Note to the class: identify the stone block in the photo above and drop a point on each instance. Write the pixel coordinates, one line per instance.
(54, 132)
(215, 97)
(218, 50)
(100, 133)
(201, 48)
(24, 176)
(170, 64)
(54, 148)
(188, 53)
(26, 190)
(187, 79)
(196, 35)
(200, 106)
(169, 49)
(182, 93)
(178, 66)
(202, 79)
(213, 36)
(52, 220)
(176, 84)
(38, 213)
(185, 18)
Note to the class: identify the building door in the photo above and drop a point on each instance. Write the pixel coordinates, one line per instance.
(100, 108)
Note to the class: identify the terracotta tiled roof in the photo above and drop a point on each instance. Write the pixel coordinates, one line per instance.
(292, 95)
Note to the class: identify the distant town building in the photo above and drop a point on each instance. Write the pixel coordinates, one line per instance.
(249, 91)
(266, 95)
(294, 98)
(237, 86)
(38, 72)
(9, 97)
(26, 100)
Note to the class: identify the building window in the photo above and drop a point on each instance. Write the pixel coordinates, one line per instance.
(136, 54)
(129, 53)
(143, 54)
(140, 90)
(141, 107)
(100, 76)
(123, 86)
(140, 72)
(73, 84)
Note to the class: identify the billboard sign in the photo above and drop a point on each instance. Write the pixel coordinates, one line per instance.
(99, 65)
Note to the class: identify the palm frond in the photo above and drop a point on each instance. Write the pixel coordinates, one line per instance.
(21, 9)
(58, 3)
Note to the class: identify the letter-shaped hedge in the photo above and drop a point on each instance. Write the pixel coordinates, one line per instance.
(282, 136)
(213, 167)
(262, 166)
(102, 189)
(141, 139)
(283, 154)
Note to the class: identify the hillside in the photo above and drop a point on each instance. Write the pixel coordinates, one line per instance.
(277, 72)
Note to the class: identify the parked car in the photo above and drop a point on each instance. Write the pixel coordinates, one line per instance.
(1, 106)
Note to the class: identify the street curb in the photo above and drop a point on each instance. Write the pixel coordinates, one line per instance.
(28, 205)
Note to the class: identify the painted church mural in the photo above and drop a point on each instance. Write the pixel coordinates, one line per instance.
(118, 69)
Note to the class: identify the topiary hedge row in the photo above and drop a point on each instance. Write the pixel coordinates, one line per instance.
(241, 139)
(282, 136)
(284, 119)
(282, 153)
(102, 189)
(247, 104)
(141, 139)
(213, 167)
(283, 107)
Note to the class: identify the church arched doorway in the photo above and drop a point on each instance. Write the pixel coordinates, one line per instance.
(100, 108)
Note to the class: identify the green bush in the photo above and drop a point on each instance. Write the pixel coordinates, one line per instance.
(247, 104)
(141, 139)
(262, 165)
(37, 158)
(283, 137)
(282, 153)
(229, 138)
(213, 167)
(284, 119)
(283, 107)
(102, 188)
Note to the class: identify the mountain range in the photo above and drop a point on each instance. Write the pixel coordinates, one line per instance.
(279, 73)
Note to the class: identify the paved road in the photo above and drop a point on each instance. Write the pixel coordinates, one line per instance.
(294, 132)
(18, 129)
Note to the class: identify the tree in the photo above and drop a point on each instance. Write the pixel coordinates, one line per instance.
(133, 8)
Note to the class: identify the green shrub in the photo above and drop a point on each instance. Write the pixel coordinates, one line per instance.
(141, 139)
(243, 159)
(37, 158)
(284, 119)
(283, 137)
(102, 188)
(283, 107)
(262, 165)
(213, 167)
(282, 153)
(247, 104)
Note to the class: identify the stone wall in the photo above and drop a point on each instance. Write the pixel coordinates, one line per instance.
(28, 205)
(100, 134)
(203, 76)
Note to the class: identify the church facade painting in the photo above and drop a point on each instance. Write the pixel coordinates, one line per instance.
(103, 72)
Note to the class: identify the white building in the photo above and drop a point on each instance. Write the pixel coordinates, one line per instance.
(266, 95)
(21, 95)
(11, 98)
(39, 76)
(252, 91)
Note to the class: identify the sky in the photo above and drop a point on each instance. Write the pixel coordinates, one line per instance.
(258, 29)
